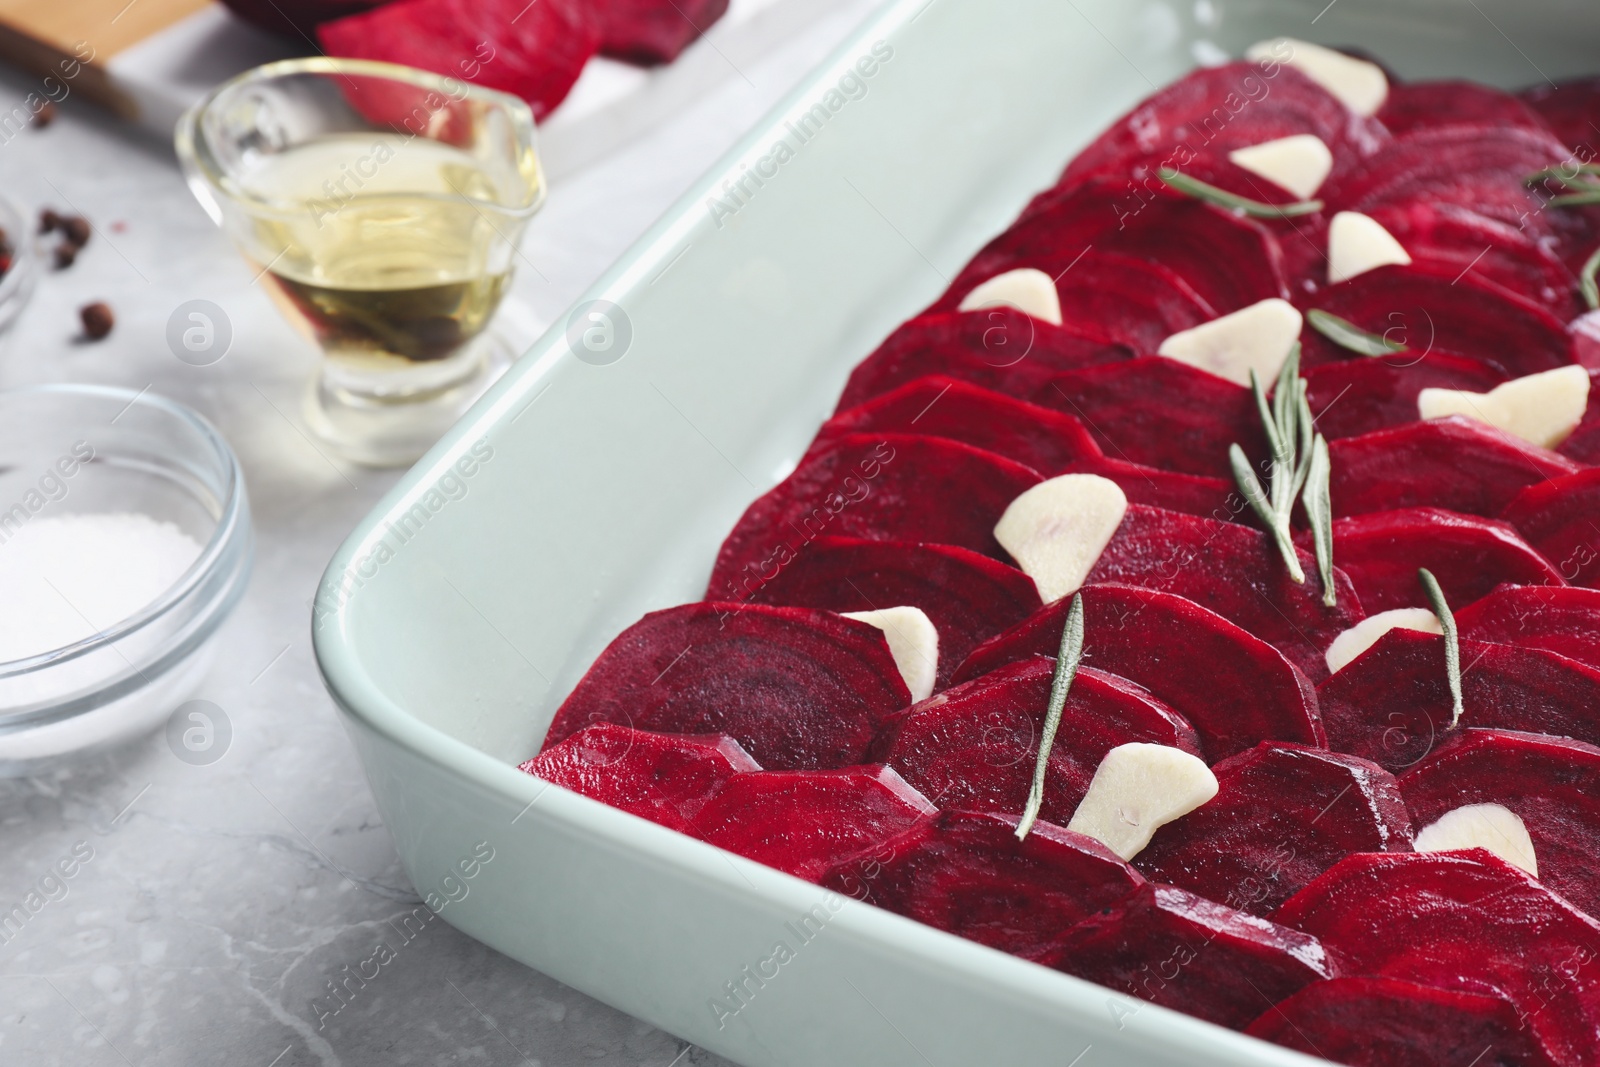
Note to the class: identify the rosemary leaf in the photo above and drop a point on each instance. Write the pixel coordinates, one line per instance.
(1590, 195)
(1452, 643)
(1586, 281)
(1067, 660)
(1556, 174)
(1347, 334)
(1307, 426)
(1319, 511)
(1268, 422)
(1222, 198)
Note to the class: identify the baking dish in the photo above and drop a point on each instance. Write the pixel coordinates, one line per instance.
(595, 482)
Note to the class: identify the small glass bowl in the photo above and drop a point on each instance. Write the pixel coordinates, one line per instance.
(145, 454)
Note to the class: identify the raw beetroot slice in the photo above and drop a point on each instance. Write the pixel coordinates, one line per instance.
(666, 778)
(996, 348)
(1282, 815)
(1236, 572)
(1151, 486)
(1427, 309)
(1386, 1022)
(533, 51)
(1559, 518)
(653, 31)
(1034, 436)
(1172, 948)
(1381, 553)
(1551, 783)
(966, 873)
(880, 487)
(1561, 619)
(1356, 396)
(968, 597)
(1583, 444)
(1455, 463)
(804, 822)
(974, 746)
(1234, 688)
(1421, 105)
(1466, 921)
(1571, 108)
(1391, 705)
(797, 688)
(1160, 413)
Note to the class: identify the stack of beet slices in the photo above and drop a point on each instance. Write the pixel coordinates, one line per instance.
(1381, 875)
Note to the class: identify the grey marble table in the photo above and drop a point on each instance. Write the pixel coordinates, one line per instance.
(220, 901)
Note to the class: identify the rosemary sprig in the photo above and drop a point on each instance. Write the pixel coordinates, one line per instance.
(1569, 180)
(1347, 334)
(1590, 195)
(1586, 281)
(1222, 198)
(1452, 641)
(1067, 660)
(1319, 512)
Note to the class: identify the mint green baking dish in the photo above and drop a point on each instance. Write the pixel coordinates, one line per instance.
(581, 493)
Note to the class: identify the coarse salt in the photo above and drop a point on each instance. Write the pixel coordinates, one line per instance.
(68, 577)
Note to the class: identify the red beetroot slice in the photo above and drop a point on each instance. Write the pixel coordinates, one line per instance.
(1229, 260)
(880, 487)
(1571, 108)
(1160, 413)
(1151, 486)
(1583, 444)
(1233, 687)
(1170, 947)
(1455, 463)
(1466, 921)
(533, 52)
(1123, 299)
(804, 822)
(968, 597)
(1428, 309)
(1386, 1022)
(1392, 706)
(648, 32)
(1356, 396)
(1034, 436)
(666, 778)
(1236, 572)
(1560, 619)
(1382, 551)
(1223, 108)
(974, 746)
(1561, 518)
(1424, 105)
(797, 688)
(1282, 815)
(994, 348)
(1551, 783)
(966, 873)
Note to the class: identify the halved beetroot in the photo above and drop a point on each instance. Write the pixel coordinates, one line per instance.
(1561, 619)
(974, 746)
(533, 51)
(1455, 463)
(1282, 815)
(1356, 396)
(1428, 309)
(995, 348)
(648, 32)
(1552, 783)
(1126, 300)
(1229, 260)
(966, 873)
(1392, 705)
(666, 778)
(804, 822)
(1571, 108)
(1558, 518)
(1222, 108)
(880, 487)
(1583, 444)
(968, 597)
(938, 406)
(1382, 551)
(1236, 572)
(1424, 105)
(1386, 1022)
(1170, 947)
(797, 688)
(1466, 921)
(1160, 413)
(1234, 688)
(1151, 486)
